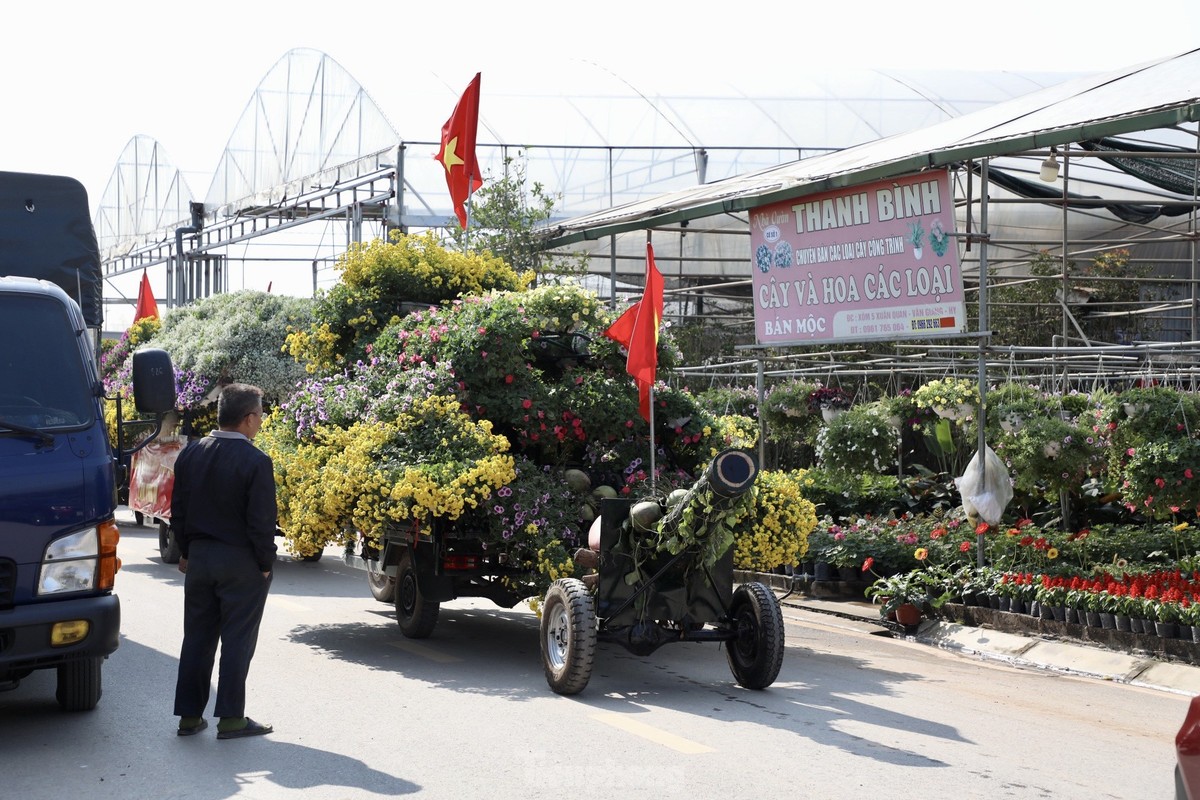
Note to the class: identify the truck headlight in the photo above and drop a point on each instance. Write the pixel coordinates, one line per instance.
(69, 563)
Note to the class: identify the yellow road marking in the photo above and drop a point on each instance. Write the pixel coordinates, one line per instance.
(423, 651)
(656, 735)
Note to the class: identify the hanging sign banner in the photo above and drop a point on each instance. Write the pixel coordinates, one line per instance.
(869, 262)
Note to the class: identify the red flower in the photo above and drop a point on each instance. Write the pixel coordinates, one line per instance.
(508, 378)
(964, 547)
(981, 528)
(526, 403)
(868, 563)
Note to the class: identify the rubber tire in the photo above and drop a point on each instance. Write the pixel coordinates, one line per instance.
(139, 518)
(79, 686)
(382, 585)
(568, 636)
(756, 653)
(416, 615)
(168, 548)
(311, 559)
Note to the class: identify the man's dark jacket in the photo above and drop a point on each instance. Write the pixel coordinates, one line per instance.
(225, 490)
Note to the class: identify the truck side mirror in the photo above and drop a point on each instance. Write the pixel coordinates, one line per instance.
(153, 381)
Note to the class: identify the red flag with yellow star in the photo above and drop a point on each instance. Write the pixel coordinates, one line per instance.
(457, 153)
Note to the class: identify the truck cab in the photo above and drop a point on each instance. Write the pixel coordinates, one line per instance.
(58, 473)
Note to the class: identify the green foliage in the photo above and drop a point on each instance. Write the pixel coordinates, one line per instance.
(860, 440)
(505, 218)
(382, 281)
(237, 337)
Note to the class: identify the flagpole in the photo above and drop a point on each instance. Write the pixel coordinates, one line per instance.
(653, 471)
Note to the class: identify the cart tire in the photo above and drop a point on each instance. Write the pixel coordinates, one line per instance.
(168, 548)
(79, 684)
(415, 614)
(383, 587)
(756, 652)
(139, 519)
(568, 630)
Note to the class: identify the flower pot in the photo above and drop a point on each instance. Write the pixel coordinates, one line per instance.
(1034, 608)
(850, 574)
(830, 414)
(822, 571)
(1046, 611)
(1016, 605)
(1196, 634)
(1004, 603)
(1122, 622)
(994, 601)
(1107, 620)
(1093, 619)
(1060, 613)
(1071, 615)
(1166, 630)
(908, 615)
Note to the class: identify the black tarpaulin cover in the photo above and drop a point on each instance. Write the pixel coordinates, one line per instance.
(46, 232)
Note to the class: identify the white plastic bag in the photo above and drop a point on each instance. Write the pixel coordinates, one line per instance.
(985, 491)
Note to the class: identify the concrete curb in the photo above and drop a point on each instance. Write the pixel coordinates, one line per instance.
(1015, 648)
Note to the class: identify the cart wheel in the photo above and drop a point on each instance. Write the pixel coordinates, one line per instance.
(168, 548)
(138, 518)
(383, 587)
(756, 652)
(568, 636)
(415, 614)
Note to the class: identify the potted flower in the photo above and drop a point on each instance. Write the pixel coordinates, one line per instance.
(859, 441)
(902, 594)
(828, 401)
(949, 398)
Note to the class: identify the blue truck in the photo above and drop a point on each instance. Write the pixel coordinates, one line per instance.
(59, 471)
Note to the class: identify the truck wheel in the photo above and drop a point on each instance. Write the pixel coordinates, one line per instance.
(383, 587)
(416, 615)
(79, 684)
(568, 636)
(168, 548)
(756, 652)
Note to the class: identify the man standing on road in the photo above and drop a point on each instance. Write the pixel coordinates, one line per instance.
(223, 513)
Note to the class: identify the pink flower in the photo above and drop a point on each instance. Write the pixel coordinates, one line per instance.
(526, 403)
(839, 536)
(1187, 473)
(1129, 452)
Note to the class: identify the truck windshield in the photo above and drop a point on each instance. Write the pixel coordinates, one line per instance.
(44, 380)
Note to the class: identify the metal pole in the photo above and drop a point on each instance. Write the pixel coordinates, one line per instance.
(984, 323)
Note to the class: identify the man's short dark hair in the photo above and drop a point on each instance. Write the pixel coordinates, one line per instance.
(236, 401)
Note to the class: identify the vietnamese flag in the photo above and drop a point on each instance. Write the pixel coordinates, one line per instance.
(146, 305)
(457, 153)
(637, 329)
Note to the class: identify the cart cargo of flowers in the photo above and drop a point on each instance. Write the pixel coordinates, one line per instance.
(466, 449)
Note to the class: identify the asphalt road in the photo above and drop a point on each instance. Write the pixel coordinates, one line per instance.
(362, 712)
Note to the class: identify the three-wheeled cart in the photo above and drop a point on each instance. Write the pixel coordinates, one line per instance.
(673, 598)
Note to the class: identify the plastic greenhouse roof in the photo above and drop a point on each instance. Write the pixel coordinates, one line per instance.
(1153, 95)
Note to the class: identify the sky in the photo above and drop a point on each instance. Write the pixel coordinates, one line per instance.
(80, 80)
